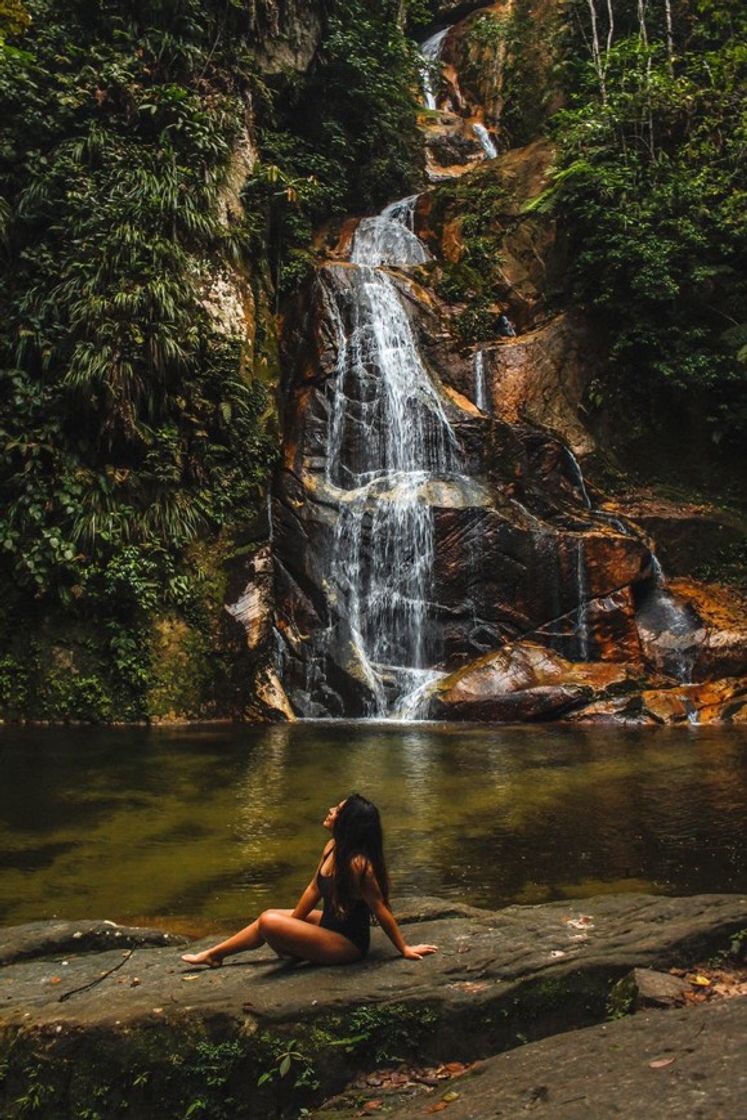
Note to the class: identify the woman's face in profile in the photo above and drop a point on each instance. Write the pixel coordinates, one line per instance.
(331, 816)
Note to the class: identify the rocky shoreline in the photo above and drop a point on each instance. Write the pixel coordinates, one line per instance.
(100, 1020)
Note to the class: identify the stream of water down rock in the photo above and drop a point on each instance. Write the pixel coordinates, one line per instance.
(397, 556)
(383, 388)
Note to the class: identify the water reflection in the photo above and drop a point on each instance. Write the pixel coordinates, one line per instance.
(207, 826)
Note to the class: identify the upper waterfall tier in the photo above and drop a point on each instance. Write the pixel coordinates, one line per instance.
(389, 238)
(381, 388)
(431, 51)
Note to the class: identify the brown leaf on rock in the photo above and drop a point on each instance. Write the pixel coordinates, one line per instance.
(661, 1063)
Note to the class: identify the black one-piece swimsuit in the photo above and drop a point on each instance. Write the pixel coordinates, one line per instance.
(356, 925)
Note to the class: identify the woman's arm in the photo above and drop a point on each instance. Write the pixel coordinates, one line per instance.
(307, 901)
(372, 896)
(312, 894)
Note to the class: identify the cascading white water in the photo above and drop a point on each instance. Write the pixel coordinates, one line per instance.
(389, 237)
(661, 614)
(481, 393)
(431, 51)
(388, 437)
(580, 482)
(582, 622)
(483, 136)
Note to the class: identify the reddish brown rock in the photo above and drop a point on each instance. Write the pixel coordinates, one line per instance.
(723, 614)
(524, 681)
(541, 375)
(479, 53)
(723, 701)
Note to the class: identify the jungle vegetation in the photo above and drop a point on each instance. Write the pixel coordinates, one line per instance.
(137, 438)
(133, 432)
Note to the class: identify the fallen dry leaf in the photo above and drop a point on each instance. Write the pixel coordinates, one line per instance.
(700, 980)
(371, 1106)
(661, 1063)
(438, 1106)
(450, 1096)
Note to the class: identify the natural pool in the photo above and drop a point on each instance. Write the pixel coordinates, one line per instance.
(200, 827)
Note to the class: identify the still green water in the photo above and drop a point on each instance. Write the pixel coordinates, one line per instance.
(200, 828)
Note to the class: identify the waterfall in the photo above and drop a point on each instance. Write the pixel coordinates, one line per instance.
(671, 624)
(402, 211)
(388, 436)
(580, 483)
(582, 585)
(431, 51)
(484, 137)
(481, 393)
(389, 237)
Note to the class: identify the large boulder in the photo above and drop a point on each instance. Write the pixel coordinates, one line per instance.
(526, 682)
(540, 377)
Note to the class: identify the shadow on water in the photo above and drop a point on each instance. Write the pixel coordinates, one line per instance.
(201, 827)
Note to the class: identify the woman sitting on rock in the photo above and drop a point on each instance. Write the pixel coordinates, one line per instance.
(352, 880)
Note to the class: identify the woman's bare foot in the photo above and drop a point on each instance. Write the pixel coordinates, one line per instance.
(202, 958)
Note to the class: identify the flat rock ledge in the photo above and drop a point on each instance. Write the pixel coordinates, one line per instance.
(111, 1026)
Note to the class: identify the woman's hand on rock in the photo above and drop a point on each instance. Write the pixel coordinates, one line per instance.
(417, 952)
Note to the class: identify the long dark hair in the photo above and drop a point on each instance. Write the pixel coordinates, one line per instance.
(357, 832)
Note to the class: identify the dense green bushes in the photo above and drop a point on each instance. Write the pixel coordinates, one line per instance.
(341, 138)
(132, 426)
(651, 185)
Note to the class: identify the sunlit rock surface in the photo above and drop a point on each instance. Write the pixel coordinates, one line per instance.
(526, 682)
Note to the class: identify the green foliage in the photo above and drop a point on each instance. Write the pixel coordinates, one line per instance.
(480, 201)
(388, 1033)
(340, 138)
(506, 64)
(290, 1059)
(129, 426)
(651, 185)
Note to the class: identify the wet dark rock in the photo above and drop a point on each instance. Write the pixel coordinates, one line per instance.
(453, 147)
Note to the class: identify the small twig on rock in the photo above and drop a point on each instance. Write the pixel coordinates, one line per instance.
(92, 983)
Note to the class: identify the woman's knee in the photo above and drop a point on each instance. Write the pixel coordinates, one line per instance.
(269, 921)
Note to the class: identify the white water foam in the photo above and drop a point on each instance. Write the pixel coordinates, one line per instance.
(431, 52)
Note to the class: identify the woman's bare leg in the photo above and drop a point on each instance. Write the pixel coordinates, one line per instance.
(251, 937)
(305, 940)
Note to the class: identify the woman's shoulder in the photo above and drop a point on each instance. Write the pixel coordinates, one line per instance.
(361, 865)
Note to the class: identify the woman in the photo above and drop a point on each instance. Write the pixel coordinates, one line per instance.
(353, 882)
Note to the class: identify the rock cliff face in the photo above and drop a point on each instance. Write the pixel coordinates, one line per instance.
(437, 550)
